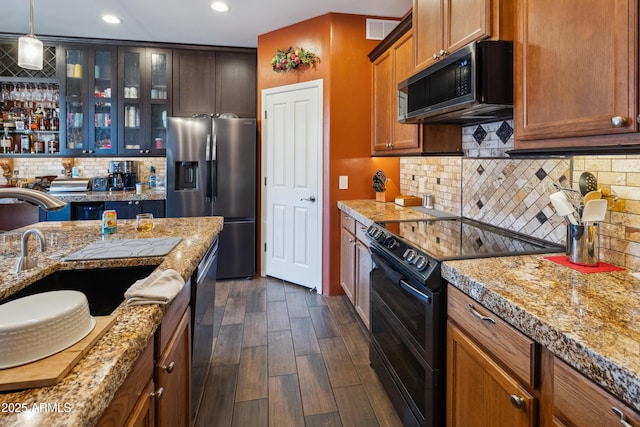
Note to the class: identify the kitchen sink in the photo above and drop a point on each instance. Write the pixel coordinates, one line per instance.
(104, 287)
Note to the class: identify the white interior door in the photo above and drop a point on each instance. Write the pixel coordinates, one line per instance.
(292, 183)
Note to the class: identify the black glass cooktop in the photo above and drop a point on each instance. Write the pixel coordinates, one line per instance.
(461, 238)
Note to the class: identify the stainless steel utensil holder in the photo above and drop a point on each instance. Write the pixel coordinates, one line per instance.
(582, 244)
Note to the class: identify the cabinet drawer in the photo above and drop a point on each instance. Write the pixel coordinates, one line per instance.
(579, 401)
(513, 349)
(348, 223)
(361, 233)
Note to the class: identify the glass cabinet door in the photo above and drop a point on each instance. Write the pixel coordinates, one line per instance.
(76, 136)
(159, 95)
(103, 105)
(89, 106)
(131, 85)
(145, 87)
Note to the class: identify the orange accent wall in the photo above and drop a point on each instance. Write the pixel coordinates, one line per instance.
(340, 42)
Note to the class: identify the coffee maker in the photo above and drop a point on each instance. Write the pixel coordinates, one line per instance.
(122, 175)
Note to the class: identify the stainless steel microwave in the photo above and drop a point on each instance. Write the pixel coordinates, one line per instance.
(473, 85)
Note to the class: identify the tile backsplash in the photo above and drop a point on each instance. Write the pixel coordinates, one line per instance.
(513, 193)
(92, 166)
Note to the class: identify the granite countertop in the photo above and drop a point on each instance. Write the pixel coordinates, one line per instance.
(102, 196)
(87, 390)
(591, 321)
(367, 212)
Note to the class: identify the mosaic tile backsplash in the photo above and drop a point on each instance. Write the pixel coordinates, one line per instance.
(509, 193)
(488, 140)
(491, 187)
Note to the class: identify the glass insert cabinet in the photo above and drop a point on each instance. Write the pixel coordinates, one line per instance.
(117, 100)
(89, 110)
(145, 102)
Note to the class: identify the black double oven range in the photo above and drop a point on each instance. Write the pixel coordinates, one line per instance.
(408, 303)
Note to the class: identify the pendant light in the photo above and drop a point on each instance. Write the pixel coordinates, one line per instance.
(30, 49)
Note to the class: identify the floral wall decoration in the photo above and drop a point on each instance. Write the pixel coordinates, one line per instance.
(292, 58)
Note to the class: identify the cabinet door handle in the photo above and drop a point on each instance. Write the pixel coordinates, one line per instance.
(442, 52)
(158, 393)
(516, 401)
(480, 316)
(623, 417)
(137, 203)
(618, 121)
(435, 56)
(169, 369)
(130, 203)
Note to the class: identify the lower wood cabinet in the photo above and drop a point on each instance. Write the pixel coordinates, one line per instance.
(347, 259)
(479, 391)
(355, 265)
(490, 368)
(173, 377)
(578, 401)
(134, 395)
(157, 390)
(143, 414)
(497, 376)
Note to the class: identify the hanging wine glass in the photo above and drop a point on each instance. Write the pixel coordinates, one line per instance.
(48, 95)
(37, 94)
(14, 93)
(25, 93)
(6, 92)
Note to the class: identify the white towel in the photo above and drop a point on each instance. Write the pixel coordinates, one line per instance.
(159, 290)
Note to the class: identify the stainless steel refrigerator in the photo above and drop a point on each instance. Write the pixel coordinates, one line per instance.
(211, 170)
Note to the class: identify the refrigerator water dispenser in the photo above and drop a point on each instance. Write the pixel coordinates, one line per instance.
(186, 175)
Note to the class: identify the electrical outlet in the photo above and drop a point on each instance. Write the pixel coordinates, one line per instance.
(422, 185)
(344, 182)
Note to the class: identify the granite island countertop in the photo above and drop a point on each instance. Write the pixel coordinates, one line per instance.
(81, 397)
(591, 321)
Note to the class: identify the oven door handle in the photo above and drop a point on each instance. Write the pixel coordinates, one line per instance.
(416, 293)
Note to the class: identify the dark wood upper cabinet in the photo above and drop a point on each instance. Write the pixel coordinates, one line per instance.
(236, 83)
(194, 90)
(214, 82)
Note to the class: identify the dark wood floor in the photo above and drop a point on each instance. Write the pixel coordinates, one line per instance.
(285, 356)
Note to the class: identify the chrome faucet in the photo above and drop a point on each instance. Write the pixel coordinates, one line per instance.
(25, 262)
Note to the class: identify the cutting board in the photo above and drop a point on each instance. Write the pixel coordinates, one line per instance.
(52, 369)
(125, 248)
(408, 201)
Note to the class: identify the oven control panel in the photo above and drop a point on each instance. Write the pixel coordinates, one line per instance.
(399, 249)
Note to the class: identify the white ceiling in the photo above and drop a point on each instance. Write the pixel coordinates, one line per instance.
(183, 21)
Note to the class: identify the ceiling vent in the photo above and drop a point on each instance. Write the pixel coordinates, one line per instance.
(377, 29)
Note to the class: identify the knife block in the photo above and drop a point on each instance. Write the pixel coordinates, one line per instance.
(390, 193)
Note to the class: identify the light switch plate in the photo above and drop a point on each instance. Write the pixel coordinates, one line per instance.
(343, 183)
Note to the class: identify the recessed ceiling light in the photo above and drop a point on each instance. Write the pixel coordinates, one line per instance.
(111, 19)
(219, 6)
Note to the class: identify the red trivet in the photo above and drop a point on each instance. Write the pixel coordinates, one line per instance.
(602, 267)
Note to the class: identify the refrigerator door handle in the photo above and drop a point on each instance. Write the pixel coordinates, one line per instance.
(208, 148)
(214, 173)
(209, 188)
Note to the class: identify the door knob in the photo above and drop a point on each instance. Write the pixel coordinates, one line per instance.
(309, 199)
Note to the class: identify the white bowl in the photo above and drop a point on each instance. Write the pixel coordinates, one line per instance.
(37, 326)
